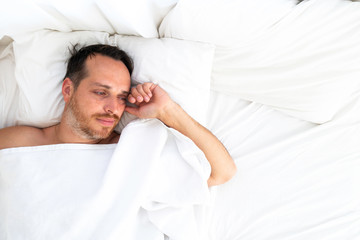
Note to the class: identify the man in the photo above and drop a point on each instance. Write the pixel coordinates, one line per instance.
(95, 90)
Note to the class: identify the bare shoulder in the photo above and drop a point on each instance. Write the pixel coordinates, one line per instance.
(21, 136)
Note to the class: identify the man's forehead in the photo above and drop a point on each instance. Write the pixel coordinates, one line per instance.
(106, 72)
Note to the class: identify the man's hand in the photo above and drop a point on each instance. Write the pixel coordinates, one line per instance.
(150, 99)
(153, 102)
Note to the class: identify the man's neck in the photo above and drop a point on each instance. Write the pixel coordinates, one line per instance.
(61, 133)
(65, 134)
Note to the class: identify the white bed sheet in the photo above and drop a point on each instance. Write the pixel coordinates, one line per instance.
(295, 180)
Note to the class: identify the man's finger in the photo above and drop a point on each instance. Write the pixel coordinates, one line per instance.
(148, 87)
(131, 98)
(136, 95)
(140, 89)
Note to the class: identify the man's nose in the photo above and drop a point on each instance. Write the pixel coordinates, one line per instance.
(112, 106)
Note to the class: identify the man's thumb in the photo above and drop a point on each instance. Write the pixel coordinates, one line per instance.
(132, 110)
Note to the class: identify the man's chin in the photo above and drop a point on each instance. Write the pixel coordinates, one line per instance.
(104, 133)
(96, 134)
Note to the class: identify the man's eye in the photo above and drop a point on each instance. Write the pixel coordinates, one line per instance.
(100, 93)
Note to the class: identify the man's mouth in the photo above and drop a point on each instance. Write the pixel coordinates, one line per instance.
(109, 122)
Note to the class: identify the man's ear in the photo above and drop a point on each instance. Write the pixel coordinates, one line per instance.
(67, 89)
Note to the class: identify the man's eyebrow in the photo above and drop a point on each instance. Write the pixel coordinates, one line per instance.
(108, 87)
(102, 85)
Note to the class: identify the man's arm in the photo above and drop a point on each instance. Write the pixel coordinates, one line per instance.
(154, 102)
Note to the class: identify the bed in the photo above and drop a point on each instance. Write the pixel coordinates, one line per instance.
(278, 82)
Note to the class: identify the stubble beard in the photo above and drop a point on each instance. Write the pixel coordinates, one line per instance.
(79, 123)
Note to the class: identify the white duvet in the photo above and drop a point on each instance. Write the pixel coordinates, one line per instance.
(141, 188)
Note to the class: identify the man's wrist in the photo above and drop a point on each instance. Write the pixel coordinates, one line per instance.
(169, 113)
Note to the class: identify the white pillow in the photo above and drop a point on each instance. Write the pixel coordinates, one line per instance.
(182, 68)
(136, 17)
(222, 22)
(303, 61)
(25, 16)
(8, 88)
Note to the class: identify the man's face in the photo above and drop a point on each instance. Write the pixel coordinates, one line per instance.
(95, 107)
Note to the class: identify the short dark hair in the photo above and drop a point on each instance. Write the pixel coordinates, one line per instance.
(76, 68)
